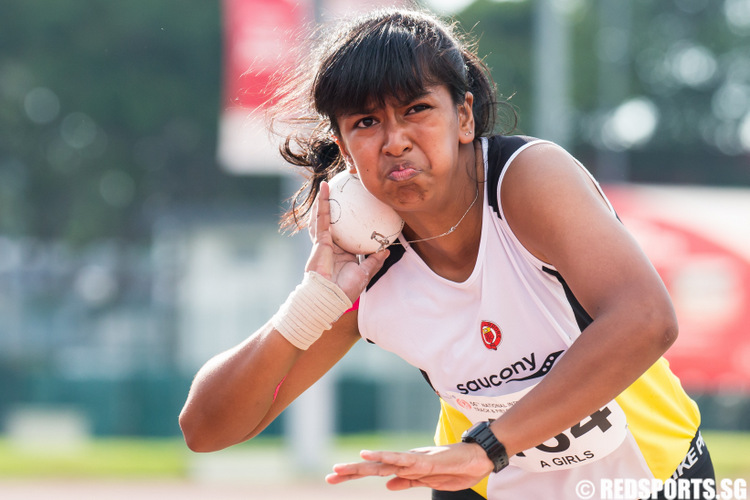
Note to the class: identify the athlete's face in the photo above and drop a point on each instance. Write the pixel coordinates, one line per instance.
(407, 154)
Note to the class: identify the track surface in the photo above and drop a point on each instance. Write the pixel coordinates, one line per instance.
(60, 489)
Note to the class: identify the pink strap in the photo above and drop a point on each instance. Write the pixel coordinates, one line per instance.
(354, 307)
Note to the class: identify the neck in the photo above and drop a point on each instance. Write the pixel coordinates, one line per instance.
(452, 254)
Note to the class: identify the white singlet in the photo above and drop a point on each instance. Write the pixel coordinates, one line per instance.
(485, 342)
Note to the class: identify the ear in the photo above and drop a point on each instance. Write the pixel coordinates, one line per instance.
(345, 154)
(466, 120)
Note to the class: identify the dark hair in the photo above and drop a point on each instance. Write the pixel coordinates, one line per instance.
(387, 53)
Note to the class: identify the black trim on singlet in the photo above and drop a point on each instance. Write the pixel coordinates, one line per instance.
(396, 252)
(500, 149)
(582, 317)
(427, 378)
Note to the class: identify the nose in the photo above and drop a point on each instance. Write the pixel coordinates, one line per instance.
(397, 139)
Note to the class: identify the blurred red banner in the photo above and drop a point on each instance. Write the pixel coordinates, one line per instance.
(259, 39)
(699, 241)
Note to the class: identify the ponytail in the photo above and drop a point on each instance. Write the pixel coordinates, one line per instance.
(484, 90)
(321, 157)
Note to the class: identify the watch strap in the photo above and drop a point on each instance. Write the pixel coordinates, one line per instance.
(481, 434)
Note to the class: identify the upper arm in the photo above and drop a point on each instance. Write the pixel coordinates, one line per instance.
(557, 213)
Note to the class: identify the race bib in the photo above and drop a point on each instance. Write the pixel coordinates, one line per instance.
(591, 439)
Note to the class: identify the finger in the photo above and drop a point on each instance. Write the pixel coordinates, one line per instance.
(313, 217)
(334, 478)
(400, 483)
(398, 459)
(437, 482)
(363, 469)
(372, 264)
(322, 214)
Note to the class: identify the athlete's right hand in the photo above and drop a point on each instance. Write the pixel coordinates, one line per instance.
(329, 260)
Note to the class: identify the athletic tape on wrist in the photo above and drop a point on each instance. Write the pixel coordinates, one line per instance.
(310, 309)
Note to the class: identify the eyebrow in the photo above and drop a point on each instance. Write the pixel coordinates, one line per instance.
(372, 109)
(349, 114)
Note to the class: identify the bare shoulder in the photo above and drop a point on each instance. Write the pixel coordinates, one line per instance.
(548, 169)
(556, 211)
(545, 193)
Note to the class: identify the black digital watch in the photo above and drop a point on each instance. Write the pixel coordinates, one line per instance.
(481, 434)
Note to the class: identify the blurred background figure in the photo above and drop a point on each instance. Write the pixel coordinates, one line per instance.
(140, 197)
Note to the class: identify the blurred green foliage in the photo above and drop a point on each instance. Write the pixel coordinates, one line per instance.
(108, 110)
(100, 458)
(690, 59)
(136, 86)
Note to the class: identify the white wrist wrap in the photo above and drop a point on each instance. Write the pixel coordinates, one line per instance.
(310, 310)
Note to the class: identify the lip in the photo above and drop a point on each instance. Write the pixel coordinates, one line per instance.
(402, 172)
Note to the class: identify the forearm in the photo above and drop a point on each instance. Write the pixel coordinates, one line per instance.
(600, 364)
(233, 392)
(233, 396)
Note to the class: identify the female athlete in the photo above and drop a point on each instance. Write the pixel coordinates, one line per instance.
(514, 288)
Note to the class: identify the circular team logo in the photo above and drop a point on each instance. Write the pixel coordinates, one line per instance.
(491, 335)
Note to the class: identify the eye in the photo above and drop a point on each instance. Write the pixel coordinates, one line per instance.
(365, 122)
(417, 108)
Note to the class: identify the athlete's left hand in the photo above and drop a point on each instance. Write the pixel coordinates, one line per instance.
(448, 468)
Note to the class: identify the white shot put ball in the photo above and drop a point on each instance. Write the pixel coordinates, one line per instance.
(360, 223)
